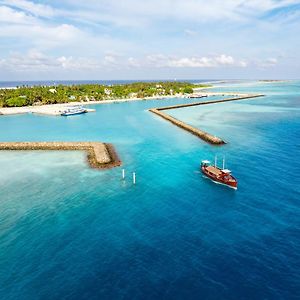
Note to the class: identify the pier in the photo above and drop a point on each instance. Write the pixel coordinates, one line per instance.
(99, 155)
(205, 136)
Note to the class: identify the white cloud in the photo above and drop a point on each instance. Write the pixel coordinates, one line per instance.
(156, 60)
(133, 62)
(160, 60)
(81, 63)
(98, 29)
(243, 63)
(35, 32)
(224, 60)
(191, 62)
(11, 16)
(36, 61)
(33, 60)
(110, 59)
(136, 13)
(31, 8)
(267, 5)
(190, 32)
(147, 12)
(41, 35)
(267, 63)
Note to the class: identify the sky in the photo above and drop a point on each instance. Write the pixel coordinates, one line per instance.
(149, 39)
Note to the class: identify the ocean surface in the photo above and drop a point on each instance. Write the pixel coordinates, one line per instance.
(71, 232)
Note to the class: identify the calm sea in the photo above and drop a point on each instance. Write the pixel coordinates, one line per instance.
(70, 232)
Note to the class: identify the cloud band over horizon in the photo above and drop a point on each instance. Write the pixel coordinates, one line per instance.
(146, 40)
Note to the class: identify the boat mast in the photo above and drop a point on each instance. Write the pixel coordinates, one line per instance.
(223, 162)
(216, 160)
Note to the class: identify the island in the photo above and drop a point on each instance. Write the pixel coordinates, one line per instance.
(42, 95)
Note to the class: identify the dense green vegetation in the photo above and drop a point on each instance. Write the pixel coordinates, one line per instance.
(37, 95)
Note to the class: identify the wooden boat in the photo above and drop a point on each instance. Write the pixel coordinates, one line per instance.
(217, 174)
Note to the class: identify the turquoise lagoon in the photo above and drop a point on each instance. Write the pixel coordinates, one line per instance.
(71, 232)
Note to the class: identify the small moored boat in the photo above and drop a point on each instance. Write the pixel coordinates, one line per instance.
(217, 174)
(74, 110)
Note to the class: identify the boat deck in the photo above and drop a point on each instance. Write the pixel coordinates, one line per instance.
(214, 170)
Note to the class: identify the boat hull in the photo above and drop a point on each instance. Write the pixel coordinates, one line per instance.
(73, 113)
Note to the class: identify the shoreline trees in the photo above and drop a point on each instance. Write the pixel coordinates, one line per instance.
(38, 95)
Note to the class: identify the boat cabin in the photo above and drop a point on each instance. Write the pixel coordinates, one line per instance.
(205, 163)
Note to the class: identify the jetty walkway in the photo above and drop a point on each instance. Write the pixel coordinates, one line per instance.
(214, 140)
(99, 155)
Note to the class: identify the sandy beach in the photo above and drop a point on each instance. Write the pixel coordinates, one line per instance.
(57, 109)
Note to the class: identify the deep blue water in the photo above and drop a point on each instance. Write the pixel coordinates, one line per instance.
(70, 232)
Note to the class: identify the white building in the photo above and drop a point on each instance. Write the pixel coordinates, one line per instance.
(107, 91)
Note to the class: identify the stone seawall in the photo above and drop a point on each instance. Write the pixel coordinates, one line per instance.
(209, 102)
(99, 155)
(207, 137)
(195, 131)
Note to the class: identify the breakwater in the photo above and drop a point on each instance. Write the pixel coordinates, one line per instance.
(195, 131)
(99, 155)
(207, 137)
(209, 102)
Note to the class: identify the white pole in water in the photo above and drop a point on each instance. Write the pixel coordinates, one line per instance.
(215, 160)
(123, 174)
(133, 177)
(223, 162)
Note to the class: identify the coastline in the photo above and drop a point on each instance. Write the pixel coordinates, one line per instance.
(56, 109)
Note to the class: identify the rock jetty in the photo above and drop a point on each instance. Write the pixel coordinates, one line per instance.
(99, 155)
(195, 131)
(207, 137)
